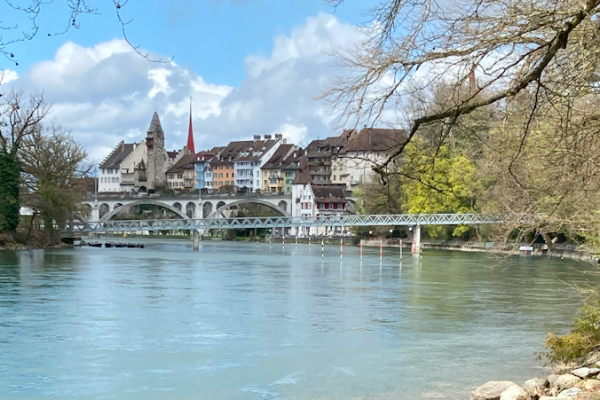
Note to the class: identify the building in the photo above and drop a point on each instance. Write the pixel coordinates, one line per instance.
(156, 164)
(365, 149)
(239, 164)
(181, 176)
(137, 167)
(110, 170)
(203, 171)
(222, 171)
(251, 157)
(313, 200)
(280, 170)
(320, 155)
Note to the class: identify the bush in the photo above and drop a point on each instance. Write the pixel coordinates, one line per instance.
(583, 339)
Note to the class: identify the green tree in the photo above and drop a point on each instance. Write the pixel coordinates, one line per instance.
(443, 182)
(18, 119)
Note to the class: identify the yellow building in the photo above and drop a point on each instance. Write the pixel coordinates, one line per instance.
(277, 169)
(182, 176)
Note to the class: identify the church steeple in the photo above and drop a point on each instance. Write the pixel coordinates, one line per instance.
(190, 141)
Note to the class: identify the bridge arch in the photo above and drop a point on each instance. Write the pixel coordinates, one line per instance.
(207, 209)
(111, 214)
(246, 201)
(283, 205)
(177, 205)
(118, 205)
(104, 209)
(190, 209)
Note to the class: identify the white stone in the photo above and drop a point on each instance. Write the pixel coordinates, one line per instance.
(585, 372)
(514, 393)
(552, 380)
(572, 393)
(532, 386)
(567, 381)
(491, 390)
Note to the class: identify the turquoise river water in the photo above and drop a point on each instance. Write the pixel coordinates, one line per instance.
(234, 321)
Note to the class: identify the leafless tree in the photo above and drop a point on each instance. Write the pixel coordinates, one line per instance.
(521, 82)
(31, 10)
(53, 166)
(548, 46)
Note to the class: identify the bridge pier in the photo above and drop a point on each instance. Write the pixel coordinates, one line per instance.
(416, 240)
(197, 239)
(95, 213)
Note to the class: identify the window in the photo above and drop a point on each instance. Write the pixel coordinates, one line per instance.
(220, 183)
(266, 182)
(334, 178)
(226, 183)
(171, 176)
(170, 183)
(257, 183)
(179, 176)
(227, 175)
(232, 174)
(180, 183)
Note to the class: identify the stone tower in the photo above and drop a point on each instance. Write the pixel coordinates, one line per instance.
(155, 144)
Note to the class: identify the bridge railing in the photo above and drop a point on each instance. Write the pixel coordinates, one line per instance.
(290, 222)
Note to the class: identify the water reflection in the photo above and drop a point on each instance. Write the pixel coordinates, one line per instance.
(236, 321)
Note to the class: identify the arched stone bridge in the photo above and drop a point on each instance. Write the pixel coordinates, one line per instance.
(103, 209)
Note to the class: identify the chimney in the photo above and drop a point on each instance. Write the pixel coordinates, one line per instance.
(256, 137)
(267, 137)
(278, 136)
(284, 141)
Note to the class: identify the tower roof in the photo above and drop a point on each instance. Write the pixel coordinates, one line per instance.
(190, 141)
(155, 126)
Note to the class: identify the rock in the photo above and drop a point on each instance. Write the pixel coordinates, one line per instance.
(491, 390)
(585, 372)
(567, 381)
(514, 393)
(533, 386)
(593, 359)
(591, 385)
(572, 393)
(554, 398)
(551, 380)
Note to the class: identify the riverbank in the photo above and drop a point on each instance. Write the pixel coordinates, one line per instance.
(581, 382)
(37, 240)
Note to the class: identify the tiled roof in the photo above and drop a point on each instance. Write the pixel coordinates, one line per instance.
(283, 157)
(329, 193)
(114, 160)
(374, 139)
(186, 162)
(246, 150)
(328, 146)
(303, 175)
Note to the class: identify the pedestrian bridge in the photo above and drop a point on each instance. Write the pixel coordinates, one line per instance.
(197, 207)
(203, 224)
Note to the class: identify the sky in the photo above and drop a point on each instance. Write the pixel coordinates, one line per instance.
(252, 67)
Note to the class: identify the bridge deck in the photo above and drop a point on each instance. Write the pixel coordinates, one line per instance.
(289, 222)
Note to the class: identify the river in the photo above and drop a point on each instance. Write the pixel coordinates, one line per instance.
(234, 321)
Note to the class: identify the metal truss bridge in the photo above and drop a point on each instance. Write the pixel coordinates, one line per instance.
(288, 222)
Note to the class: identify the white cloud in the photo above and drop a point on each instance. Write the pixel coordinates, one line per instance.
(7, 75)
(107, 93)
(293, 133)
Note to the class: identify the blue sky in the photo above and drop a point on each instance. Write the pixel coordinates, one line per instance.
(239, 59)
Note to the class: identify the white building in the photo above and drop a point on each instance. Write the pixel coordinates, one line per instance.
(109, 175)
(364, 150)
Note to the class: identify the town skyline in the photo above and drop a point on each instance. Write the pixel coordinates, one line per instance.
(261, 83)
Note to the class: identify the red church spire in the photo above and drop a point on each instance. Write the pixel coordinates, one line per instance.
(190, 142)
